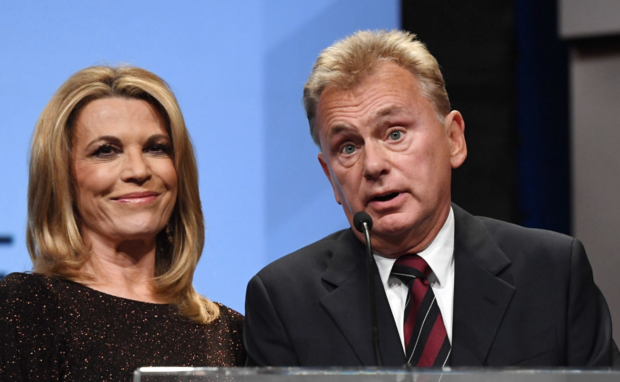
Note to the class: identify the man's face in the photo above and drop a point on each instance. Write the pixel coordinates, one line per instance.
(385, 152)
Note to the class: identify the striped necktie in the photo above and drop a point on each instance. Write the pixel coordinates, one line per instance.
(426, 341)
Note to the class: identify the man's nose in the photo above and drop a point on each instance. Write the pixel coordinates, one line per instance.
(375, 161)
(136, 168)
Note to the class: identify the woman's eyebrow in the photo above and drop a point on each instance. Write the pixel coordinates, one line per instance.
(106, 138)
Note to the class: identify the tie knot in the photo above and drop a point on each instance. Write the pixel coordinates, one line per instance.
(411, 266)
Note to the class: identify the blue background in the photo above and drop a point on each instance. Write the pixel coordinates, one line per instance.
(237, 68)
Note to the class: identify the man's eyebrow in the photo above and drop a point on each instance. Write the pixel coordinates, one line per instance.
(338, 129)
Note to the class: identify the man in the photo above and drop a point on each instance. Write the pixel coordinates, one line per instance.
(452, 289)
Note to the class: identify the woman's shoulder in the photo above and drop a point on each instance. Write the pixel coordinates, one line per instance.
(26, 291)
(229, 331)
(24, 284)
(230, 317)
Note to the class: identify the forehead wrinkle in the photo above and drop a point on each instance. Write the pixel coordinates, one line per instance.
(365, 109)
(389, 110)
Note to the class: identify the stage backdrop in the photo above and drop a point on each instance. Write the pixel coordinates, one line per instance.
(237, 68)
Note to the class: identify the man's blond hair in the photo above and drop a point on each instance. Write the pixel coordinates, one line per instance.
(348, 61)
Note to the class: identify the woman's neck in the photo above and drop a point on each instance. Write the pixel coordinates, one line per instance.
(121, 268)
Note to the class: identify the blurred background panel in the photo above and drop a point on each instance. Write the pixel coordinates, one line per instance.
(592, 30)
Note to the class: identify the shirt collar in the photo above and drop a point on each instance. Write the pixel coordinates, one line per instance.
(439, 255)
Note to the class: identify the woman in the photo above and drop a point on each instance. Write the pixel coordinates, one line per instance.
(115, 231)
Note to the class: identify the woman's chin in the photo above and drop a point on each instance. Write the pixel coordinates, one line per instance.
(135, 233)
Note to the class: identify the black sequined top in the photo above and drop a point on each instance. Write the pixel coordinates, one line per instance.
(53, 329)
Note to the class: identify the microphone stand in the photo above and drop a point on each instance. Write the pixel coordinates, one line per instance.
(370, 266)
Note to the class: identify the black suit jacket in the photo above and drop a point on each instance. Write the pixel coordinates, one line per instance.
(522, 297)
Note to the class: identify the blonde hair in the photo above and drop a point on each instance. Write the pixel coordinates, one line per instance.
(53, 236)
(348, 61)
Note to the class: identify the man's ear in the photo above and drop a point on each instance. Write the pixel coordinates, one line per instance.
(455, 128)
(328, 175)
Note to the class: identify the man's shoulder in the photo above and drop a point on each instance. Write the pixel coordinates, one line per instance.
(315, 256)
(477, 236)
(524, 237)
(532, 247)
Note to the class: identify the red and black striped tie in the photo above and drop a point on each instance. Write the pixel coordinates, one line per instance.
(426, 341)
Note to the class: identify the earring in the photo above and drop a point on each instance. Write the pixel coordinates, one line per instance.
(169, 234)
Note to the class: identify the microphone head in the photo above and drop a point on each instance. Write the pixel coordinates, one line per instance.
(359, 219)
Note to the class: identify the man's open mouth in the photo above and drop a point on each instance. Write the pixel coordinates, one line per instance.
(385, 198)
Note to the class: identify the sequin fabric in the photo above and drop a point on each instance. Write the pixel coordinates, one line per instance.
(58, 330)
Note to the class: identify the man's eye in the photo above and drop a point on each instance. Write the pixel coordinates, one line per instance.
(396, 135)
(348, 149)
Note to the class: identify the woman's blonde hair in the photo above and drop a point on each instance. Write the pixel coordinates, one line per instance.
(53, 235)
(348, 61)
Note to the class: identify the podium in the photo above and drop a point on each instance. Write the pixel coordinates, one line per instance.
(275, 374)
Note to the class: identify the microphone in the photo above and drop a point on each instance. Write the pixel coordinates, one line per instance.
(363, 223)
(359, 219)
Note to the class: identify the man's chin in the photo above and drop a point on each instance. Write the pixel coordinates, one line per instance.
(392, 225)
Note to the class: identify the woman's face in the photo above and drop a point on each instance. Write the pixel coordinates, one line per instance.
(124, 174)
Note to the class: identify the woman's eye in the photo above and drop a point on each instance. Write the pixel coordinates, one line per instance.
(104, 151)
(348, 149)
(159, 149)
(396, 135)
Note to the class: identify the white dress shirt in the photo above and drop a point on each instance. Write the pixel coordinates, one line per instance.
(439, 255)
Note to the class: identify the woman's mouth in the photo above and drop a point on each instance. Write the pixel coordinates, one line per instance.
(137, 197)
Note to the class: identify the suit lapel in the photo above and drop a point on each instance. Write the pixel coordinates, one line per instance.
(348, 304)
(480, 297)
